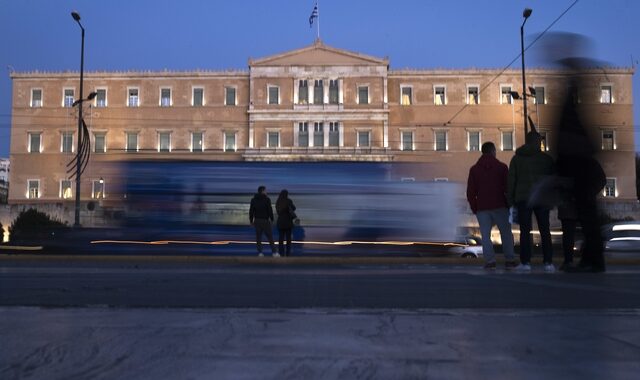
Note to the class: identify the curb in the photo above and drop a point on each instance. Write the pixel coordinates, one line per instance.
(20, 248)
(267, 260)
(239, 260)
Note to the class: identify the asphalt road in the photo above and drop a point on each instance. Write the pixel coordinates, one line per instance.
(123, 283)
(249, 318)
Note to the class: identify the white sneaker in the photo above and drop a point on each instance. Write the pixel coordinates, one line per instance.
(523, 268)
(260, 254)
(276, 254)
(549, 268)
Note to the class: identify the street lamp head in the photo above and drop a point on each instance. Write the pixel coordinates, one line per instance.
(76, 16)
(527, 12)
(514, 95)
(101, 180)
(90, 97)
(532, 91)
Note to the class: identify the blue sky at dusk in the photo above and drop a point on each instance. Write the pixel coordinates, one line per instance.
(192, 34)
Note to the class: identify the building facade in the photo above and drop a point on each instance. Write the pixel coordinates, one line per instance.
(316, 103)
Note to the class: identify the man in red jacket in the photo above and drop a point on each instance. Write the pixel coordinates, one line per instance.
(487, 196)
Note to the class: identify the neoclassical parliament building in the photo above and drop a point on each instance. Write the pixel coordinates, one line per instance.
(317, 103)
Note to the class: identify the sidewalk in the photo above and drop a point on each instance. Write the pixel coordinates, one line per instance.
(118, 343)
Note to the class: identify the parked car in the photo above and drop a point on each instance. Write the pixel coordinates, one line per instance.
(621, 236)
(468, 247)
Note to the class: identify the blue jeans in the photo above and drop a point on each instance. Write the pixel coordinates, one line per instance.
(487, 219)
(542, 218)
(263, 226)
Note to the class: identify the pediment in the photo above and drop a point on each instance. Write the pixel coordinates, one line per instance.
(318, 54)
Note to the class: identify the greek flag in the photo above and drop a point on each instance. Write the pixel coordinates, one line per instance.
(314, 14)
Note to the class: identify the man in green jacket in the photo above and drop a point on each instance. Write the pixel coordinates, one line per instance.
(528, 166)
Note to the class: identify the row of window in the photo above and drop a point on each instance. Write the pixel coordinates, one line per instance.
(98, 189)
(65, 190)
(164, 143)
(306, 94)
(315, 94)
(474, 140)
(133, 99)
(507, 94)
(320, 136)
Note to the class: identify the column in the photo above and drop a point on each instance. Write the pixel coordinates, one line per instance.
(325, 91)
(385, 98)
(385, 131)
(251, 132)
(310, 86)
(295, 134)
(325, 131)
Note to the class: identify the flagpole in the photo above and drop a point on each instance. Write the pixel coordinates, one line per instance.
(315, 14)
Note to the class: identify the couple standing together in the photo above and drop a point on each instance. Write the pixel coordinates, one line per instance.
(261, 217)
(492, 187)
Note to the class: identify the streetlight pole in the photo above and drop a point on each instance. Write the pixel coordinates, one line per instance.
(76, 222)
(526, 13)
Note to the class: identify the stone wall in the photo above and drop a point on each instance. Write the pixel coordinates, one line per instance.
(621, 210)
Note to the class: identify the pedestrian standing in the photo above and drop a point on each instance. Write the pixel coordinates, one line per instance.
(568, 218)
(487, 196)
(528, 166)
(577, 164)
(261, 217)
(286, 215)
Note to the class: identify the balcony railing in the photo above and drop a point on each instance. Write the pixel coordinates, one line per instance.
(319, 153)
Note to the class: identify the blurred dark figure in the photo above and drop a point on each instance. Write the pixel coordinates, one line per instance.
(584, 178)
(487, 196)
(286, 215)
(580, 176)
(568, 217)
(261, 217)
(529, 166)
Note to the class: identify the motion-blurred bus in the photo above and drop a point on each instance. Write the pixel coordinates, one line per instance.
(336, 201)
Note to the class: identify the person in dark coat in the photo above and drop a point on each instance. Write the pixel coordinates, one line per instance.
(286, 215)
(587, 179)
(578, 166)
(487, 196)
(529, 166)
(261, 217)
(578, 170)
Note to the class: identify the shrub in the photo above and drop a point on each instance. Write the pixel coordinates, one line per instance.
(605, 218)
(33, 224)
